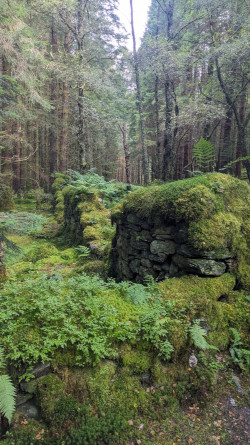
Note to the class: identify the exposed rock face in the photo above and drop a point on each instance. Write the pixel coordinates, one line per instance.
(162, 251)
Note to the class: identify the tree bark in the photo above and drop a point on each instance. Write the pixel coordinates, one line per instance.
(145, 164)
(127, 155)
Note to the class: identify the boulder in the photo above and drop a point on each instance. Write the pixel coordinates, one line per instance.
(200, 266)
(167, 247)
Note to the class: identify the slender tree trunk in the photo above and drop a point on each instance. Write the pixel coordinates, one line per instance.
(168, 165)
(145, 164)
(54, 116)
(239, 118)
(127, 155)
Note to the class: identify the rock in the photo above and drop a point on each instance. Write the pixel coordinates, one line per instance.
(29, 387)
(146, 263)
(132, 219)
(164, 237)
(126, 272)
(132, 228)
(41, 370)
(157, 267)
(192, 361)
(144, 271)
(173, 270)
(166, 247)
(162, 276)
(160, 258)
(203, 323)
(200, 266)
(221, 254)
(29, 409)
(164, 230)
(145, 235)
(145, 225)
(135, 265)
(139, 245)
(186, 250)
(232, 402)
(23, 398)
(181, 235)
(166, 267)
(146, 378)
(236, 380)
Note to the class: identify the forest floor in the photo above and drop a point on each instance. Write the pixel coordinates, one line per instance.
(221, 418)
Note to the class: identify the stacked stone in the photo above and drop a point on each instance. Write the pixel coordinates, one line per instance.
(148, 247)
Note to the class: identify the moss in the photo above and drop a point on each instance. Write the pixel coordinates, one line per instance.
(93, 384)
(49, 390)
(22, 267)
(196, 294)
(25, 432)
(215, 206)
(244, 274)
(69, 255)
(91, 234)
(199, 298)
(138, 361)
(61, 180)
(177, 336)
(159, 372)
(220, 231)
(93, 267)
(40, 251)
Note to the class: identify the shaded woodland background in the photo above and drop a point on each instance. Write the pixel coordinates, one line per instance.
(67, 88)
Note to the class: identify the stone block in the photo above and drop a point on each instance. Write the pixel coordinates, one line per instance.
(146, 263)
(167, 247)
(200, 266)
(160, 258)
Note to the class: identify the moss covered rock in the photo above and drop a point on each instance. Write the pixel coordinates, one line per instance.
(198, 225)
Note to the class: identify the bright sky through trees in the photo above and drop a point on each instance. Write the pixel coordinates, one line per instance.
(140, 18)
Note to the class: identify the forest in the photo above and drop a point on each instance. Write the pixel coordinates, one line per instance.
(124, 223)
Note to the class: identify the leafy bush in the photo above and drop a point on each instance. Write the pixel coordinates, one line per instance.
(22, 223)
(7, 391)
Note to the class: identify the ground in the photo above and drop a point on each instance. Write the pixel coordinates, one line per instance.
(219, 414)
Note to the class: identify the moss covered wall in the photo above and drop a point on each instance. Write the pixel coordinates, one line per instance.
(195, 226)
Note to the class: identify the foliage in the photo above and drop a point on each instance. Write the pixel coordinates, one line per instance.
(239, 355)
(203, 155)
(110, 191)
(7, 391)
(198, 335)
(22, 223)
(214, 207)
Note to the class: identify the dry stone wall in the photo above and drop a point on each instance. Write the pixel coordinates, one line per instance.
(148, 247)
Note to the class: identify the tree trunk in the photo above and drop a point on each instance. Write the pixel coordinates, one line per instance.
(239, 118)
(127, 155)
(145, 164)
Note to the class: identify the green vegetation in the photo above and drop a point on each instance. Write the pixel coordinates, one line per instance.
(119, 352)
(7, 391)
(215, 206)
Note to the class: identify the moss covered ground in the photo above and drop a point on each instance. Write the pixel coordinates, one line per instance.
(120, 368)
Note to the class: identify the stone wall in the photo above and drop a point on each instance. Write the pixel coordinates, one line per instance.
(144, 247)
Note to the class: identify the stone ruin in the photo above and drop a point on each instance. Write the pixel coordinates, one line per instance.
(148, 247)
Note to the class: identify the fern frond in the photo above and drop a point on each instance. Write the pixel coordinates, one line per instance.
(203, 154)
(198, 337)
(7, 397)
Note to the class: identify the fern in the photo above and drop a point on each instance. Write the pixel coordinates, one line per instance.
(203, 156)
(239, 355)
(7, 397)
(198, 335)
(7, 391)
